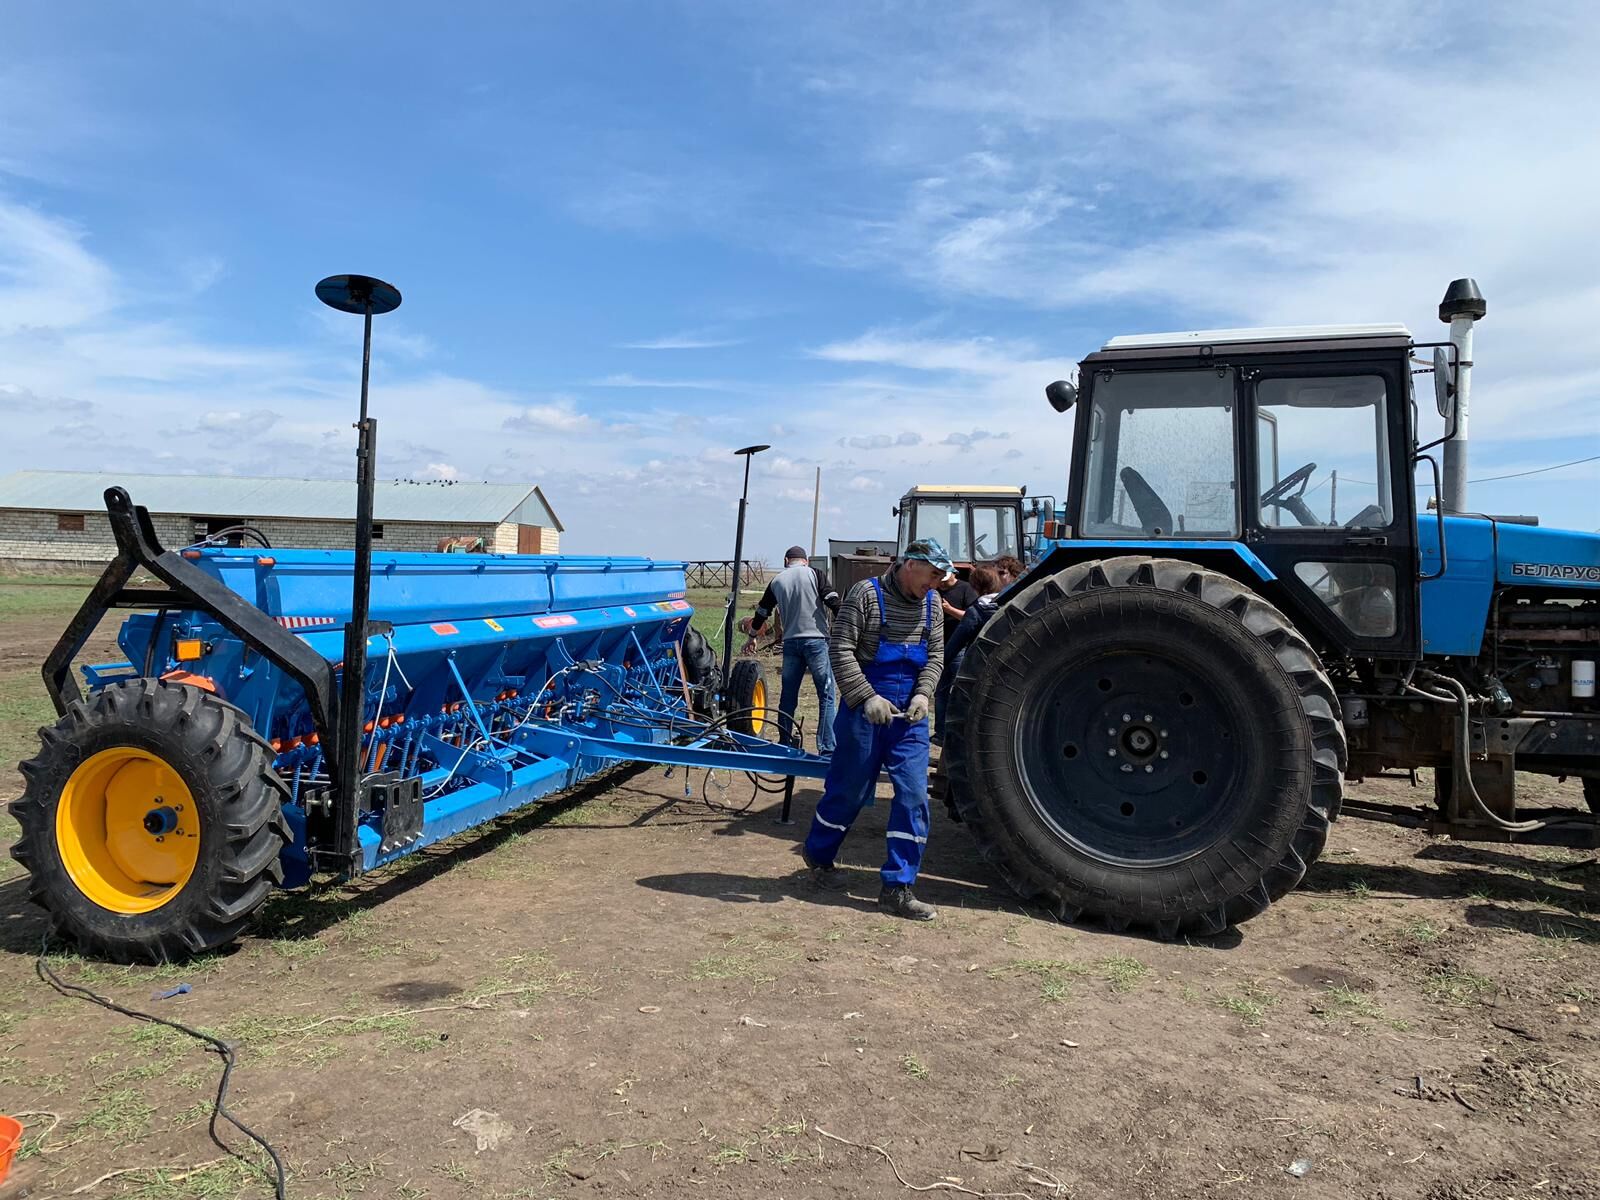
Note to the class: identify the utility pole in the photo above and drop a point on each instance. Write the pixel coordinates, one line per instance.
(816, 505)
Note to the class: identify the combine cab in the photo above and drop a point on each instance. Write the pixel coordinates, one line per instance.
(1156, 726)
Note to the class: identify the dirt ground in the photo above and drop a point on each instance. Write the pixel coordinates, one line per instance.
(626, 993)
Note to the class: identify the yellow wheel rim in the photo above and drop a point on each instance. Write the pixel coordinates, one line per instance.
(128, 830)
(758, 705)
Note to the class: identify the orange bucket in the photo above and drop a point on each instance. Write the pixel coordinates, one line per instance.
(10, 1139)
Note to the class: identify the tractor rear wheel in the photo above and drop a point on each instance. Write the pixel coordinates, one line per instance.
(1147, 742)
(747, 696)
(151, 821)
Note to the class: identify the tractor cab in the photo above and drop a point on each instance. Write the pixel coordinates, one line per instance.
(974, 522)
(1285, 452)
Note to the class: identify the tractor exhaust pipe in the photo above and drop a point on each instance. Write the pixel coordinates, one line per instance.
(1462, 307)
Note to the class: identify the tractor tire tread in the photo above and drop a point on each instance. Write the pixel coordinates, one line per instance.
(1319, 708)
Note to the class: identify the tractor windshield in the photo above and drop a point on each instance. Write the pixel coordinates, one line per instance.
(1161, 457)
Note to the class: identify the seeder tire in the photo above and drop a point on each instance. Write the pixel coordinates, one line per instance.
(747, 696)
(152, 822)
(1147, 742)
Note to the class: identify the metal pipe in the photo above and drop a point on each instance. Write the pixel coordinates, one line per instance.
(1462, 307)
(749, 452)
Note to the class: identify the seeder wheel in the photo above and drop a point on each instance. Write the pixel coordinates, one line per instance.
(747, 696)
(151, 822)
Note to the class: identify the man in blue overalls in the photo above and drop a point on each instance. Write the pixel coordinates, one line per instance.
(886, 648)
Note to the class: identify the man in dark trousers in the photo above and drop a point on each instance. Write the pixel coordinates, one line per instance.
(799, 596)
(886, 647)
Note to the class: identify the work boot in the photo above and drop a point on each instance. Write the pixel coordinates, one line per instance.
(898, 899)
(827, 877)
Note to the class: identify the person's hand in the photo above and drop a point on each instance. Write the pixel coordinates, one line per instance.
(745, 623)
(950, 610)
(749, 647)
(878, 710)
(917, 710)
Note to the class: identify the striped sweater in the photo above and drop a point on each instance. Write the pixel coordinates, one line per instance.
(853, 641)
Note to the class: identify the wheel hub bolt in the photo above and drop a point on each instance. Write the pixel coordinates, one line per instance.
(159, 821)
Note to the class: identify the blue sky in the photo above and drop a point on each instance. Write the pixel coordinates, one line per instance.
(633, 237)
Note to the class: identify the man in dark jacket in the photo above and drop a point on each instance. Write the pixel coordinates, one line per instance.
(799, 596)
(886, 648)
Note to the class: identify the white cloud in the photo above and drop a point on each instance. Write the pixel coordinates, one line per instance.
(48, 279)
(560, 415)
(682, 341)
(626, 380)
(440, 470)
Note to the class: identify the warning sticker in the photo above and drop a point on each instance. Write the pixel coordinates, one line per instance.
(555, 622)
(445, 629)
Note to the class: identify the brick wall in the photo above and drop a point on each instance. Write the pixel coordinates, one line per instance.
(28, 536)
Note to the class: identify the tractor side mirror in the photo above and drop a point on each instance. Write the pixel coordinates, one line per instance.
(1444, 388)
(1061, 394)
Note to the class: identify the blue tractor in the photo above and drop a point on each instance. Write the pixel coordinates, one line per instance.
(1250, 607)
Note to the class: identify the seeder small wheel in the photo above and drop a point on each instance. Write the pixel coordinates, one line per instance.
(747, 696)
(151, 822)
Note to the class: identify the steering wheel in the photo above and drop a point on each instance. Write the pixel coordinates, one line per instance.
(1295, 481)
(1153, 513)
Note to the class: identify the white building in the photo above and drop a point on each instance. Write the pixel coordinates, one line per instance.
(58, 518)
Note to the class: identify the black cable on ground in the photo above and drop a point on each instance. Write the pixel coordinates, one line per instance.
(219, 1106)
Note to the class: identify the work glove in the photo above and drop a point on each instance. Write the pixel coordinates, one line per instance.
(917, 710)
(878, 710)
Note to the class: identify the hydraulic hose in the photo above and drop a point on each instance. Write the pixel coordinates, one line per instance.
(1463, 751)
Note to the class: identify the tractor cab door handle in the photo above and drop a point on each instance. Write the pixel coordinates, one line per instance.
(1376, 539)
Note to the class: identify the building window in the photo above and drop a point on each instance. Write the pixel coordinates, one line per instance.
(377, 530)
(69, 522)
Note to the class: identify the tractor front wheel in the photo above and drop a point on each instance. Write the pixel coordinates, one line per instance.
(151, 821)
(1147, 742)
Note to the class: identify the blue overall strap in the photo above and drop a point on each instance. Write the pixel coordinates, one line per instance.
(883, 611)
(927, 617)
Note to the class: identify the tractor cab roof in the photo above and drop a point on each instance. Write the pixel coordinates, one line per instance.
(1280, 339)
(963, 489)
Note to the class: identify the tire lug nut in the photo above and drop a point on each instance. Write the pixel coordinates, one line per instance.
(1112, 752)
(1148, 768)
(1164, 754)
(1126, 718)
(1128, 768)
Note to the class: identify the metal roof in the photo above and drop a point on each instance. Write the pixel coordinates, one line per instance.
(1272, 333)
(302, 499)
(973, 489)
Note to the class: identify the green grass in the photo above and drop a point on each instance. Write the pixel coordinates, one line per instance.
(1422, 932)
(1351, 1004)
(121, 1116)
(1053, 975)
(23, 704)
(1454, 985)
(915, 1067)
(1249, 1003)
(1122, 972)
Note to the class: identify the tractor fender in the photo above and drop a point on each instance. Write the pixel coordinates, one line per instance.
(1234, 559)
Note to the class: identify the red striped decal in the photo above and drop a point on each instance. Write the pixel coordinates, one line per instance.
(555, 622)
(304, 622)
(444, 630)
(629, 611)
(680, 604)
